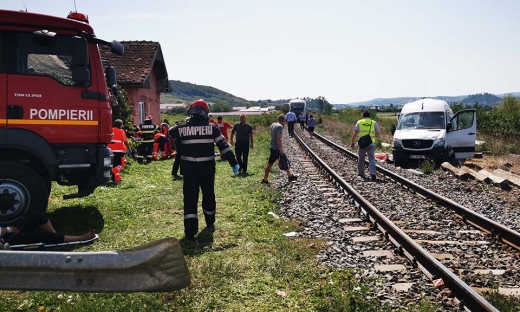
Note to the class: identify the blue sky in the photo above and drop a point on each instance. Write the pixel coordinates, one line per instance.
(345, 50)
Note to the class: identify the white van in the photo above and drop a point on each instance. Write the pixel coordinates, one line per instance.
(428, 129)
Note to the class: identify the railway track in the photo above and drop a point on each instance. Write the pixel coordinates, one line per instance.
(403, 236)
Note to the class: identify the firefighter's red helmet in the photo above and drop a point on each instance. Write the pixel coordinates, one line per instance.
(199, 107)
(149, 117)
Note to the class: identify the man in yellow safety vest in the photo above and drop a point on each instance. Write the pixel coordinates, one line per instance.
(366, 126)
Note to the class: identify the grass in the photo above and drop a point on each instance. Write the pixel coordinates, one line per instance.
(502, 302)
(248, 265)
(427, 166)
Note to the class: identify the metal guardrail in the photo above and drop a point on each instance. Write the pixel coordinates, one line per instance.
(158, 266)
(485, 224)
(469, 297)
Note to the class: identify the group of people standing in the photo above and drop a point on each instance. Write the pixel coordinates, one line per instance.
(302, 119)
(198, 136)
(195, 142)
(241, 138)
(364, 127)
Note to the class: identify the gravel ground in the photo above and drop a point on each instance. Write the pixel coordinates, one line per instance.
(321, 208)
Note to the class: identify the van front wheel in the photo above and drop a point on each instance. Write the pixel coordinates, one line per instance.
(454, 161)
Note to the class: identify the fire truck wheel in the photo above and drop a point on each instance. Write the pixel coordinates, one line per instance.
(22, 191)
(48, 185)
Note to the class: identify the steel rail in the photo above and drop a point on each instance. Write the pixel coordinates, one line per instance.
(466, 295)
(497, 230)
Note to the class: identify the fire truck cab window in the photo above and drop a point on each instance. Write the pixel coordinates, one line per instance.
(52, 61)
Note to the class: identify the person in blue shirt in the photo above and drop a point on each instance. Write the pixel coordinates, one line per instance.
(290, 118)
(310, 125)
(302, 121)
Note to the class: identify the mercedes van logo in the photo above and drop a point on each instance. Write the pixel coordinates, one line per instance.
(416, 143)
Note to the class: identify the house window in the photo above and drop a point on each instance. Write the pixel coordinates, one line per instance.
(142, 111)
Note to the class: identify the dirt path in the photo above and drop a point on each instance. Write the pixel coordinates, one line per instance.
(509, 163)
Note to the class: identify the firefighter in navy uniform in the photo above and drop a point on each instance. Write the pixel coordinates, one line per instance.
(198, 137)
(147, 131)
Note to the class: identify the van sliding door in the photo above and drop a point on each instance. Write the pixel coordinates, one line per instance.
(463, 133)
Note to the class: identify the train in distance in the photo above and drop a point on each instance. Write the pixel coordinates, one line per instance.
(298, 106)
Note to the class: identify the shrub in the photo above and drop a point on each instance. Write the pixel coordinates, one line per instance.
(427, 166)
(177, 111)
(123, 110)
(221, 107)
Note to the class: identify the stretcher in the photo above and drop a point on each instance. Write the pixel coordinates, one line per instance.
(7, 246)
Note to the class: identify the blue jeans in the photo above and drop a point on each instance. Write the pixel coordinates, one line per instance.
(370, 150)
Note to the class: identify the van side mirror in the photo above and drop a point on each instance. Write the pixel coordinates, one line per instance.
(81, 76)
(117, 48)
(448, 127)
(80, 61)
(392, 129)
(79, 52)
(110, 76)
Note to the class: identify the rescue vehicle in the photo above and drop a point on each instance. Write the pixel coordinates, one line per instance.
(428, 129)
(55, 109)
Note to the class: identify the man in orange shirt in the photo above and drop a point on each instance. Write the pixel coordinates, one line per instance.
(224, 126)
(211, 119)
(119, 147)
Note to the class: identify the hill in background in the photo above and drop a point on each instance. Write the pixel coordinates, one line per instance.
(483, 99)
(188, 92)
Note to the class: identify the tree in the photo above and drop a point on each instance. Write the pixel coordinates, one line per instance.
(327, 110)
(123, 110)
(321, 103)
(221, 107)
(510, 104)
(285, 108)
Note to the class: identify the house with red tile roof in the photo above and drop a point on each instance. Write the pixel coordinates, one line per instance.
(141, 71)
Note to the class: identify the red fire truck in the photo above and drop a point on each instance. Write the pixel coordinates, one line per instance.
(55, 109)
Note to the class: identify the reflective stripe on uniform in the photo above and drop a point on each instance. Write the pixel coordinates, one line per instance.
(118, 140)
(209, 213)
(227, 149)
(197, 159)
(219, 138)
(190, 216)
(197, 141)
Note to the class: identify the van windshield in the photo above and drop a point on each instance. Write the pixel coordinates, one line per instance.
(421, 120)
